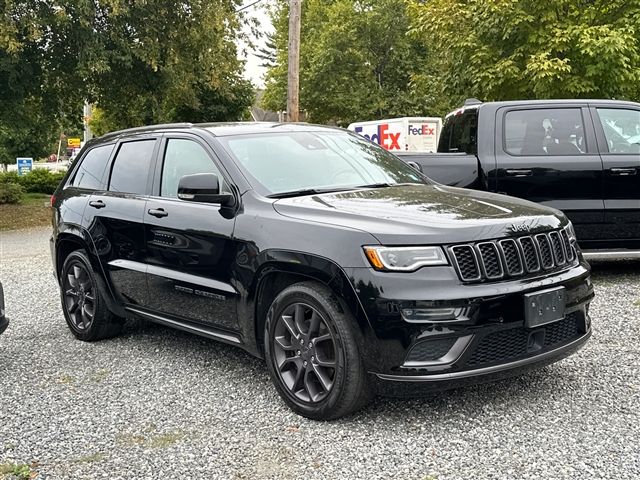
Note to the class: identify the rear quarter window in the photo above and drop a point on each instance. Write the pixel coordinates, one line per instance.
(91, 169)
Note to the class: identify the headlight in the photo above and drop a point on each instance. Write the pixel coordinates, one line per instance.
(571, 232)
(404, 259)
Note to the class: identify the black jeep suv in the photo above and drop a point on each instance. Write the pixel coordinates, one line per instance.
(342, 266)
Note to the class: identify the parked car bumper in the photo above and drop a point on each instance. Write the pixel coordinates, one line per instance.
(487, 340)
(4, 321)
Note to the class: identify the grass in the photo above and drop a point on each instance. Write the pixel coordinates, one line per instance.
(17, 471)
(160, 440)
(34, 211)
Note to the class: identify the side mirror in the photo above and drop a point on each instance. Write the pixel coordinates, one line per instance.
(203, 187)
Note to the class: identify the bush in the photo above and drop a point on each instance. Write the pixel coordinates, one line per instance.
(9, 177)
(40, 180)
(10, 193)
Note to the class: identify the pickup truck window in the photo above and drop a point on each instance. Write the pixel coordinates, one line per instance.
(544, 131)
(460, 133)
(621, 129)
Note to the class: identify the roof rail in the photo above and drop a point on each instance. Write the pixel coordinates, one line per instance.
(472, 101)
(148, 128)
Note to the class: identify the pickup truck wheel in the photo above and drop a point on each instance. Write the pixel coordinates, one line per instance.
(84, 308)
(312, 353)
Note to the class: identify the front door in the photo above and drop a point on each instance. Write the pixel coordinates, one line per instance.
(618, 132)
(189, 245)
(549, 156)
(114, 219)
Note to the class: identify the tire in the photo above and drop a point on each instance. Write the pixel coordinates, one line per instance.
(83, 305)
(307, 330)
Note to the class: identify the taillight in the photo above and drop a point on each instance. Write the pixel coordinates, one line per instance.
(53, 200)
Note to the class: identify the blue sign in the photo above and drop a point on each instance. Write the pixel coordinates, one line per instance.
(25, 165)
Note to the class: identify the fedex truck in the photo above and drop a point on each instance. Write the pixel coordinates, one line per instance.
(407, 134)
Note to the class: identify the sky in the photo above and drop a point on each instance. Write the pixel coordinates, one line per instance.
(253, 70)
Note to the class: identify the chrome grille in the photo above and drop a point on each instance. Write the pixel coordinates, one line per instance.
(509, 257)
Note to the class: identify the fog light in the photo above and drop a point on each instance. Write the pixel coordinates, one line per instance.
(430, 315)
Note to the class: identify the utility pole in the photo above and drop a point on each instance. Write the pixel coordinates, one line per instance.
(293, 83)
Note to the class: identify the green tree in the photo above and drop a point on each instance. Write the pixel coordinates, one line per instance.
(510, 49)
(143, 62)
(357, 62)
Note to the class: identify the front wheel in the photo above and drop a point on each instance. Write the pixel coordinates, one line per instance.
(312, 353)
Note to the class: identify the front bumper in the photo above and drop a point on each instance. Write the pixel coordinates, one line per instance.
(486, 342)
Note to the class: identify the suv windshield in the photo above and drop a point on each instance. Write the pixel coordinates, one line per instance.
(316, 161)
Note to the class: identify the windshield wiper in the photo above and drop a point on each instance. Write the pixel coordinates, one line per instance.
(307, 191)
(385, 185)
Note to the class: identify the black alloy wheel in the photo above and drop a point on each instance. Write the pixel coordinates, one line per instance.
(312, 347)
(79, 296)
(83, 305)
(305, 352)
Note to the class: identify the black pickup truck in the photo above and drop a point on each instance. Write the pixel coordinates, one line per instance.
(579, 156)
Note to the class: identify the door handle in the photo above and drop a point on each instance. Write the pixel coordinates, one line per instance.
(623, 171)
(520, 172)
(157, 212)
(97, 204)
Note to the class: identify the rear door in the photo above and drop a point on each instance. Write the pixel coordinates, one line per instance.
(190, 248)
(618, 131)
(548, 154)
(114, 218)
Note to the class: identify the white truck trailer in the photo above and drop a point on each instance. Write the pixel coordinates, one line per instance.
(407, 134)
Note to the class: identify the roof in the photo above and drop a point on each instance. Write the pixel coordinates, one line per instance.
(473, 104)
(220, 129)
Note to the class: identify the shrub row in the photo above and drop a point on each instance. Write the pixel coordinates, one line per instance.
(10, 193)
(38, 180)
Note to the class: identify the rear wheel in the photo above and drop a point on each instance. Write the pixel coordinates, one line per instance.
(82, 303)
(312, 353)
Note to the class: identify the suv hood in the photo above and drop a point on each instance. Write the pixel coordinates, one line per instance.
(424, 214)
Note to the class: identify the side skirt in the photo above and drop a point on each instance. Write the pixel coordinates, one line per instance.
(201, 330)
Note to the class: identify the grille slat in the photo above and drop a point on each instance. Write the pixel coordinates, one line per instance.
(558, 249)
(492, 260)
(511, 257)
(531, 259)
(467, 262)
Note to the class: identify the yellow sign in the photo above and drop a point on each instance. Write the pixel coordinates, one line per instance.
(73, 142)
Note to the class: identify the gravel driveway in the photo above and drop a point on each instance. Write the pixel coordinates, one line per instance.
(158, 403)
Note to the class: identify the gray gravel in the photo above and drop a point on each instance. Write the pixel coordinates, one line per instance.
(157, 403)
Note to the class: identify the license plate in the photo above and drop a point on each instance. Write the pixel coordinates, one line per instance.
(545, 306)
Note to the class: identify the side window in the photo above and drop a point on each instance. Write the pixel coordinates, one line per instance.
(621, 129)
(131, 167)
(91, 169)
(460, 133)
(185, 157)
(545, 131)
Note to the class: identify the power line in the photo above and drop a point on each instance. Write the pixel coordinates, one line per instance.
(248, 6)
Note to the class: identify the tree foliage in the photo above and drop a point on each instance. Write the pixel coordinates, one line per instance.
(357, 62)
(512, 49)
(142, 61)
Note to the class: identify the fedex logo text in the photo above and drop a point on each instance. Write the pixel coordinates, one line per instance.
(424, 129)
(384, 138)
